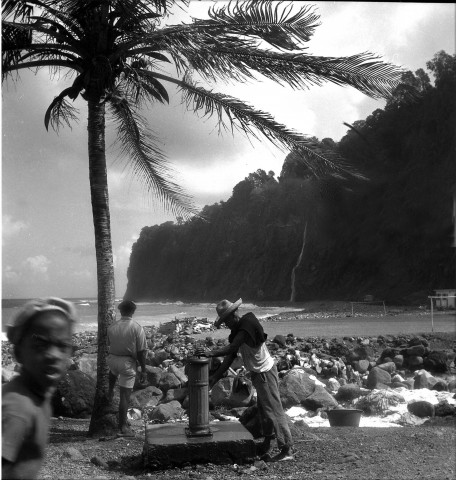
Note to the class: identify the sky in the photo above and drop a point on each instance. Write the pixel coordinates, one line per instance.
(47, 229)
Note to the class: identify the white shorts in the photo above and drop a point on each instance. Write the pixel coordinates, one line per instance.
(124, 367)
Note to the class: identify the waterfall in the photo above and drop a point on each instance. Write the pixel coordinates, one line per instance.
(293, 272)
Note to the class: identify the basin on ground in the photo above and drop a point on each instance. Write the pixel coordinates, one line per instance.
(344, 417)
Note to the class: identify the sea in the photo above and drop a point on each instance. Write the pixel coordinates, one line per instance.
(147, 313)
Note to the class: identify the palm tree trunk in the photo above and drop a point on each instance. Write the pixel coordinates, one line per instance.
(103, 421)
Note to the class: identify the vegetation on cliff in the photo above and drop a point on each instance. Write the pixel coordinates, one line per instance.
(391, 236)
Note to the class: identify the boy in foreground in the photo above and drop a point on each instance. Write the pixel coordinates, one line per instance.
(41, 335)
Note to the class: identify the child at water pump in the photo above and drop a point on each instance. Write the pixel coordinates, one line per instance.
(41, 335)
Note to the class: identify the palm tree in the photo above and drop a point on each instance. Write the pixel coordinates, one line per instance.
(115, 53)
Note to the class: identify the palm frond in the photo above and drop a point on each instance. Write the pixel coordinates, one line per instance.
(272, 22)
(146, 160)
(60, 112)
(363, 71)
(233, 114)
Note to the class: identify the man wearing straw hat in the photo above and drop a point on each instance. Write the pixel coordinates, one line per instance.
(248, 338)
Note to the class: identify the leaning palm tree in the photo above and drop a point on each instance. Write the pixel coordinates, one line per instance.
(115, 53)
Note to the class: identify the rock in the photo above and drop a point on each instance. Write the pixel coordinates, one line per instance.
(424, 379)
(154, 375)
(333, 384)
(180, 374)
(421, 408)
(280, 340)
(169, 380)
(416, 350)
(437, 362)
(223, 393)
(295, 387)
(414, 362)
(418, 341)
(250, 418)
(73, 454)
(398, 361)
(364, 352)
(361, 366)
(87, 363)
(440, 386)
(348, 392)
(378, 378)
(452, 386)
(388, 353)
(74, 395)
(99, 462)
(389, 367)
(178, 394)
(159, 357)
(319, 398)
(443, 409)
(149, 396)
(166, 411)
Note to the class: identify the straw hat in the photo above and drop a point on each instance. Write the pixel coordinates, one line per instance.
(224, 309)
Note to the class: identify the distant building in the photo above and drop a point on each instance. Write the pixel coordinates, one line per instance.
(446, 298)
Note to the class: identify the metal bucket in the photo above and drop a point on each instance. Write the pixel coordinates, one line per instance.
(344, 417)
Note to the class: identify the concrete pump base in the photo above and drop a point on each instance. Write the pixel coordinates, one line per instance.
(168, 446)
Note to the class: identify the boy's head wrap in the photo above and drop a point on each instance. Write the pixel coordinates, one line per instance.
(21, 322)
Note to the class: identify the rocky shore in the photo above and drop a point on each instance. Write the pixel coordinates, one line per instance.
(410, 380)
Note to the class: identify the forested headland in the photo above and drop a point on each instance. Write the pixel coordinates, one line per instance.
(297, 237)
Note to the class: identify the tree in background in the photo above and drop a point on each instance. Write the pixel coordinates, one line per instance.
(116, 51)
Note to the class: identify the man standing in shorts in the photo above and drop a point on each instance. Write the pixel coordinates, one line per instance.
(127, 345)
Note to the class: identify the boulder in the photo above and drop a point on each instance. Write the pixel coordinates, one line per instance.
(333, 385)
(223, 393)
(440, 386)
(421, 408)
(389, 367)
(180, 374)
(154, 375)
(250, 418)
(414, 362)
(74, 395)
(443, 409)
(319, 398)
(178, 394)
(436, 362)
(166, 411)
(159, 357)
(378, 378)
(281, 340)
(416, 350)
(87, 363)
(348, 392)
(149, 396)
(169, 380)
(295, 387)
(398, 361)
(361, 366)
(424, 379)
(452, 386)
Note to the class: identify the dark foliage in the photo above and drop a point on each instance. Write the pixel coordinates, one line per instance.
(390, 236)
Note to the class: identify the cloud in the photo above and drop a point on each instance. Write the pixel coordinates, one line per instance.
(11, 227)
(37, 265)
(83, 274)
(10, 276)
